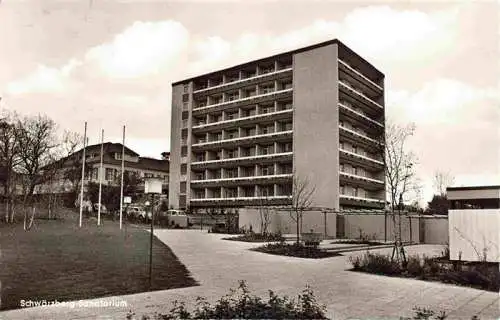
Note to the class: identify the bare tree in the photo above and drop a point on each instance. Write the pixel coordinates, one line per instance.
(9, 159)
(37, 143)
(264, 212)
(399, 162)
(400, 174)
(441, 181)
(302, 196)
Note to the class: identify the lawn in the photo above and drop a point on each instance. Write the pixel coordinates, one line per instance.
(57, 260)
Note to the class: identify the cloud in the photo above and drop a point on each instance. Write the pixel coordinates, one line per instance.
(44, 80)
(143, 49)
(445, 101)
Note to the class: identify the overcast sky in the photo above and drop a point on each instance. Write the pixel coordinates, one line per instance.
(112, 63)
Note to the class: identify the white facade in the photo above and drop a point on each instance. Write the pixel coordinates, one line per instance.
(474, 223)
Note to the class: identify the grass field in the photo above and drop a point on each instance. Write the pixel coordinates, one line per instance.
(57, 260)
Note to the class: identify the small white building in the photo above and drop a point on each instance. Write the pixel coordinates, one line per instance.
(474, 223)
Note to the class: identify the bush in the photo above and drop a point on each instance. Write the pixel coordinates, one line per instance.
(426, 314)
(294, 250)
(414, 267)
(375, 263)
(258, 237)
(240, 304)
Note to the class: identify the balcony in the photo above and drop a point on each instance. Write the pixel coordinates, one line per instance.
(369, 102)
(243, 101)
(266, 158)
(359, 76)
(361, 201)
(240, 82)
(352, 135)
(247, 140)
(240, 201)
(360, 117)
(365, 161)
(361, 181)
(277, 178)
(253, 119)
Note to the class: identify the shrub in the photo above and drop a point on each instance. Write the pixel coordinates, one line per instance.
(376, 263)
(426, 314)
(294, 250)
(240, 304)
(414, 267)
(258, 237)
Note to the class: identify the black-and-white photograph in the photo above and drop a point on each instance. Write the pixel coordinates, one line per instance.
(262, 159)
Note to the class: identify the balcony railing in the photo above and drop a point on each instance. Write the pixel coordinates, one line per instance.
(363, 178)
(357, 134)
(243, 198)
(235, 120)
(276, 176)
(360, 74)
(359, 114)
(243, 99)
(359, 156)
(243, 80)
(255, 157)
(370, 101)
(243, 138)
(355, 198)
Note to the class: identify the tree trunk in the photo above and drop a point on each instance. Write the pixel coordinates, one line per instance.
(12, 210)
(298, 232)
(6, 210)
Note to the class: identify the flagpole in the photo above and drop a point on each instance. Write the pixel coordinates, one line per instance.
(123, 168)
(83, 172)
(101, 173)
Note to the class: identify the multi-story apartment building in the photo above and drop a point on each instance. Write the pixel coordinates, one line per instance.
(134, 165)
(241, 134)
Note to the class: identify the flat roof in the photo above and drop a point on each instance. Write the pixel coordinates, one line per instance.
(311, 47)
(496, 187)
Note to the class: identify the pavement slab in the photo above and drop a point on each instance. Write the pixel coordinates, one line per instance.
(218, 265)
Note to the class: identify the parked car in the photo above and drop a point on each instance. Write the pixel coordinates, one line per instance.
(103, 208)
(138, 213)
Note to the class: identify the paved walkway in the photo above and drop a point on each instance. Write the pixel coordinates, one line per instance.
(219, 264)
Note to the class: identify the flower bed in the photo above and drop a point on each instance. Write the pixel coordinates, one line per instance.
(295, 250)
(257, 237)
(481, 275)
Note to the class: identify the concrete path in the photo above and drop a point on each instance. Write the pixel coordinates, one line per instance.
(218, 264)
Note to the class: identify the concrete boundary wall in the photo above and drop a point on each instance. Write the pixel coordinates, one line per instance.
(475, 233)
(418, 229)
(281, 221)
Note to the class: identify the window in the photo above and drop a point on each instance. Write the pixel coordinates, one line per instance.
(355, 192)
(267, 149)
(266, 109)
(199, 176)
(200, 157)
(183, 187)
(231, 173)
(200, 121)
(231, 115)
(267, 129)
(268, 88)
(250, 132)
(248, 171)
(267, 190)
(287, 147)
(248, 191)
(249, 112)
(287, 85)
(342, 189)
(286, 168)
(342, 167)
(232, 134)
(250, 92)
(109, 174)
(218, 155)
(341, 123)
(231, 192)
(233, 96)
(267, 170)
(217, 174)
(185, 97)
(232, 154)
(286, 189)
(199, 194)
(286, 126)
(202, 104)
(186, 88)
(216, 100)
